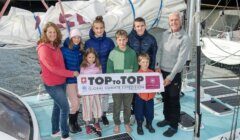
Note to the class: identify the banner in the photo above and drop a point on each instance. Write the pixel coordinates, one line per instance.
(89, 84)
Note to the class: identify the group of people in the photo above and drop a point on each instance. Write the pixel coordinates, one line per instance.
(136, 52)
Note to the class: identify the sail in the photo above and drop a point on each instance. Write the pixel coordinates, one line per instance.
(24, 27)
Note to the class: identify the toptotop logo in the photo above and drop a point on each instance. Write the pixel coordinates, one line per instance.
(108, 80)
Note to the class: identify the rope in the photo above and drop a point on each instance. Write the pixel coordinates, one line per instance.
(158, 15)
(4, 8)
(62, 10)
(38, 27)
(212, 10)
(222, 49)
(44, 4)
(133, 10)
(238, 9)
(219, 6)
(218, 15)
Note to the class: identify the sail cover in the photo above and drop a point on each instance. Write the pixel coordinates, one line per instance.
(23, 27)
(221, 50)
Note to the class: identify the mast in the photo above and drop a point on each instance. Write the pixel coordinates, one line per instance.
(190, 11)
(198, 114)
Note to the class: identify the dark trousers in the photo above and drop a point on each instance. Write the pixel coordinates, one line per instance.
(143, 109)
(171, 100)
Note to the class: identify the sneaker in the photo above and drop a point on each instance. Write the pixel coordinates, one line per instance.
(105, 120)
(88, 129)
(132, 120)
(163, 123)
(57, 134)
(170, 132)
(97, 127)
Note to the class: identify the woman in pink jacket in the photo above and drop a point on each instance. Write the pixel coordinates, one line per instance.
(54, 74)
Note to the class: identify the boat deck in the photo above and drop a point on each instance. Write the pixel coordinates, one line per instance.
(213, 125)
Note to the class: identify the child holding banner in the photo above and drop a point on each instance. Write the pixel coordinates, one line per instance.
(122, 59)
(142, 42)
(102, 45)
(72, 53)
(91, 104)
(144, 105)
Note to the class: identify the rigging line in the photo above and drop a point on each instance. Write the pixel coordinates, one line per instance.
(212, 10)
(63, 14)
(238, 9)
(219, 61)
(222, 49)
(38, 27)
(215, 30)
(133, 10)
(158, 15)
(210, 5)
(215, 21)
(227, 2)
(4, 8)
(44, 4)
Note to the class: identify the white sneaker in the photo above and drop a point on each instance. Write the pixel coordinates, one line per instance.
(132, 120)
(58, 134)
(68, 138)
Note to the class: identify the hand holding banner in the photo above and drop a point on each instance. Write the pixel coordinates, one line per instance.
(89, 84)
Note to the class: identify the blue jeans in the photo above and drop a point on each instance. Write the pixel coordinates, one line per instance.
(60, 108)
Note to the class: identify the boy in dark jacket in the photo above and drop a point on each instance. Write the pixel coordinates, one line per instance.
(142, 42)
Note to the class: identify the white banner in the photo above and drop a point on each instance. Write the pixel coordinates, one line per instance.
(120, 83)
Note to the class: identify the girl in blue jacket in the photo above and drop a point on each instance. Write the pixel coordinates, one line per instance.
(72, 53)
(102, 45)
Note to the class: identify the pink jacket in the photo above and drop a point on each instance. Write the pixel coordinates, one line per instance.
(91, 69)
(52, 65)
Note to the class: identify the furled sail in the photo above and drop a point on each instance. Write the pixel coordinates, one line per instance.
(24, 27)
